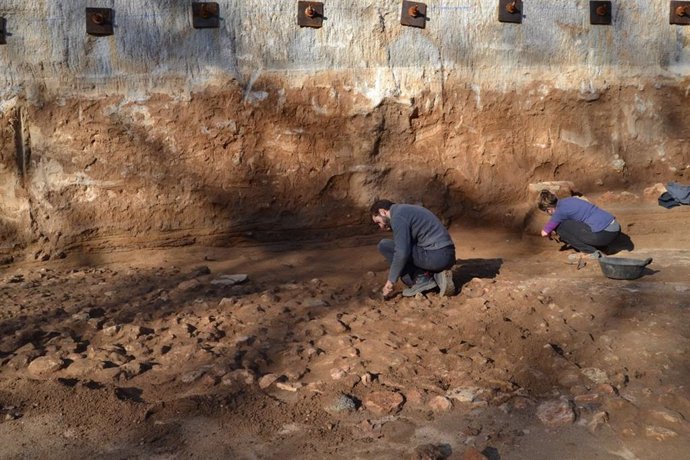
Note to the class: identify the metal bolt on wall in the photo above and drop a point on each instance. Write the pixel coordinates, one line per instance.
(99, 21)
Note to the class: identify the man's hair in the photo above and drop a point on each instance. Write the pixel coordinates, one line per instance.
(380, 204)
(547, 200)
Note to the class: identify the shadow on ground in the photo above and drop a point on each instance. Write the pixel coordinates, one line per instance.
(467, 269)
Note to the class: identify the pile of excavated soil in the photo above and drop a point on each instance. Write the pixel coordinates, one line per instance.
(284, 351)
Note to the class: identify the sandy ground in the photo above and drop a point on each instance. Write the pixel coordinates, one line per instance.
(167, 354)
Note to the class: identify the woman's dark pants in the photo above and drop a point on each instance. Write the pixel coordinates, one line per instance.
(581, 237)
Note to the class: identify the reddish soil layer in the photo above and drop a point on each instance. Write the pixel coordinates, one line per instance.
(157, 354)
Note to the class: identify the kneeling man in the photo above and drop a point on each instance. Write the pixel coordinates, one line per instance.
(421, 252)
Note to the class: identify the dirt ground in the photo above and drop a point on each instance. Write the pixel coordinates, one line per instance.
(168, 354)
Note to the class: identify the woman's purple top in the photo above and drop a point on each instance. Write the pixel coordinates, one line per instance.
(581, 211)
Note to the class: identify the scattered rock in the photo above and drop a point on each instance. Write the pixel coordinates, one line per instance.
(314, 302)
(230, 280)
(18, 278)
(292, 387)
(474, 288)
(522, 403)
(414, 397)
(134, 368)
(227, 302)
(240, 375)
(201, 271)
(618, 197)
(111, 331)
(244, 340)
(269, 297)
(598, 419)
(588, 400)
(192, 376)
(440, 404)
(595, 375)
(555, 414)
(605, 389)
(83, 367)
(659, 433)
(654, 191)
(188, 285)
(589, 95)
(667, 416)
(268, 380)
(562, 189)
(106, 374)
(463, 395)
(337, 373)
(384, 402)
(344, 403)
(569, 378)
(45, 365)
(12, 415)
(618, 164)
(351, 380)
(81, 316)
(367, 378)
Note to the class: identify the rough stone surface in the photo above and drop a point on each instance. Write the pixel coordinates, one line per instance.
(384, 402)
(440, 404)
(555, 414)
(660, 433)
(230, 280)
(268, 380)
(463, 395)
(343, 403)
(45, 365)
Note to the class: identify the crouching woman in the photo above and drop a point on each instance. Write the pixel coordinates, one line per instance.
(578, 223)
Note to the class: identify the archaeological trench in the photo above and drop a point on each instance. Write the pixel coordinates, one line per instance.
(189, 269)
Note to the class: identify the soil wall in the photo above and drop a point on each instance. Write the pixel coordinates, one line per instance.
(164, 134)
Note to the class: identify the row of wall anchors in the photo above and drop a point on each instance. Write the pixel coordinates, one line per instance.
(206, 15)
(414, 14)
(600, 12)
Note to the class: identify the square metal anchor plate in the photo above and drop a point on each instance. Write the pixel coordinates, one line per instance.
(684, 9)
(413, 14)
(310, 14)
(600, 13)
(99, 21)
(510, 11)
(205, 15)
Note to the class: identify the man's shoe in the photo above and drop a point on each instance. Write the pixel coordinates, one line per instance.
(422, 283)
(444, 280)
(407, 280)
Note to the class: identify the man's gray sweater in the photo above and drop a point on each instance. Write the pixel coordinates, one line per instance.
(414, 226)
